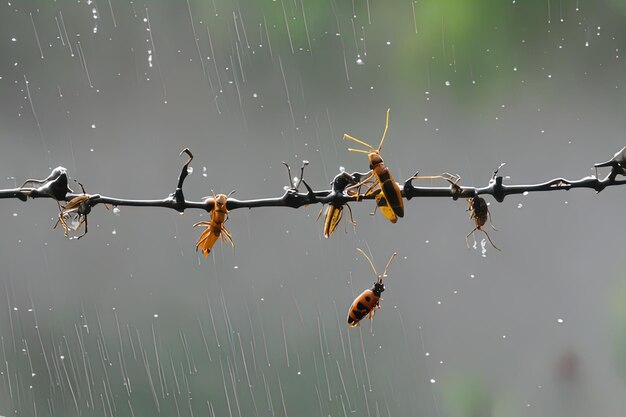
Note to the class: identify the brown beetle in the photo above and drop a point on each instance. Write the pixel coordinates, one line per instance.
(479, 212)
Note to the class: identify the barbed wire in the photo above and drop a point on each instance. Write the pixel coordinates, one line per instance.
(345, 188)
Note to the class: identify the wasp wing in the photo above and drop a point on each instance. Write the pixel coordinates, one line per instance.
(207, 239)
(385, 208)
(332, 219)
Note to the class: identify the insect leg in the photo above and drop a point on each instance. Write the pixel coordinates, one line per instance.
(84, 220)
(226, 233)
(490, 222)
(468, 235)
(320, 213)
(357, 185)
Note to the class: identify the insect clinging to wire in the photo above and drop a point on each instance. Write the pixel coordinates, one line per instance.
(334, 211)
(215, 227)
(75, 211)
(388, 186)
(369, 300)
(479, 213)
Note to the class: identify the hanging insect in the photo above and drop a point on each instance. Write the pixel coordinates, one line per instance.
(334, 211)
(388, 186)
(215, 228)
(75, 212)
(479, 212)
(369, 300)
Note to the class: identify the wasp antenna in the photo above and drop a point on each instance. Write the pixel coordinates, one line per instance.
(389, 263)
(346, 136)
(358, 150)
(385, 131)
(231, 193)
(369, 260)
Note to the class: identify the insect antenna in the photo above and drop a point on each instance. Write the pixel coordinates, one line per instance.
(386, 267)
(358, 150)
(367, 145)
(385, 131)
(370, 261)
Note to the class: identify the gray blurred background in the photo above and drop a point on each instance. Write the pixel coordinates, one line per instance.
(130, 320)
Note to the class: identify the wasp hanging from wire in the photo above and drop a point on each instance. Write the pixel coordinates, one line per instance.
(215, 227)
(334, 212)
(479, 213)
(388, 186)
(369, 300)
(75, 212)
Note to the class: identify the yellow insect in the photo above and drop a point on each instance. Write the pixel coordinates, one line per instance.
(334, 212)
(479, 212)
(388, 186)
(385, 209)
(215, 228)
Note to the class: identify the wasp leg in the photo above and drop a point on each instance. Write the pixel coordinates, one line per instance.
(359, 184)
(486, 234)
(320, 213)
(84, 220)
(351, 218)
(371, 189)
(468, 235)
(491, 222)
(226, 233)
(202, 223)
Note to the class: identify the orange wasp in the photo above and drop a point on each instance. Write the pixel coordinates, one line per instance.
(369, 300)
(215, 228)
(388, 186)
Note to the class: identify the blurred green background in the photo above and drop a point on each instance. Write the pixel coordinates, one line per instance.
(131, 321)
